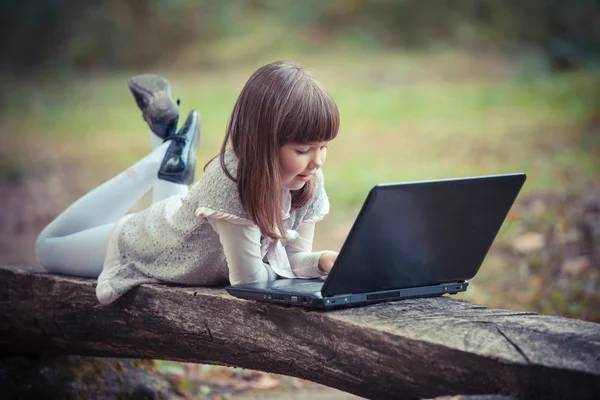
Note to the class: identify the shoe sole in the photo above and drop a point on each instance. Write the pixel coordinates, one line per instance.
(153, 95)
(150, 86)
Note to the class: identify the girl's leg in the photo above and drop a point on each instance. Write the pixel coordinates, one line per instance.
(153, 96)
(75, 242)
(79, 254)
(164, 189)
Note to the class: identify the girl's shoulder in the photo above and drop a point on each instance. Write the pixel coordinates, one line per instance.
(214, 168)
(319, 179)
(215, 190)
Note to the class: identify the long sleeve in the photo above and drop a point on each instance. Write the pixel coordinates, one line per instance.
(303, 261)
(241, 245)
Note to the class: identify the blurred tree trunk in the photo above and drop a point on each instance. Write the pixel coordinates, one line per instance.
(49, 376)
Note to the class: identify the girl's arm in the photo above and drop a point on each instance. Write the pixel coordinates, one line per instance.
(303, 261)
(241, 245)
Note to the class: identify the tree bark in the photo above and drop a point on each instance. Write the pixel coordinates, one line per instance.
(412, 349)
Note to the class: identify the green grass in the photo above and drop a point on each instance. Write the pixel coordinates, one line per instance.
(389, 133)
(412, 127)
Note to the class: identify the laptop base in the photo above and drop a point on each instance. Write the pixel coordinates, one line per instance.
(316, 300)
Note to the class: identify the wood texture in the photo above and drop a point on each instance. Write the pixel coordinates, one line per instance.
(420, 348)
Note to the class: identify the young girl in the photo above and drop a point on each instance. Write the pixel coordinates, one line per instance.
(249, 218)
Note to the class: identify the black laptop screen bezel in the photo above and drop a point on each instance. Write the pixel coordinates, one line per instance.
(516, 182)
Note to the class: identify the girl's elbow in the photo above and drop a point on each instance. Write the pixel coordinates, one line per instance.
(255, 275)
(235, 282)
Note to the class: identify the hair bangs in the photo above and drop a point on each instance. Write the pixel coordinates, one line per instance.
(312, 115)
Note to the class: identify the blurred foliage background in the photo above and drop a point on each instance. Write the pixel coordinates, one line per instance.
(426, 89)
(40, 35)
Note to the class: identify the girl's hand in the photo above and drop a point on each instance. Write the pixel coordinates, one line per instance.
(326, 260)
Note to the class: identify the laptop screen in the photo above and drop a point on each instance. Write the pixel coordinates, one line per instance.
(422, 233)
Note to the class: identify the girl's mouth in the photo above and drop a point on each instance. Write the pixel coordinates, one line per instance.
(304, 177)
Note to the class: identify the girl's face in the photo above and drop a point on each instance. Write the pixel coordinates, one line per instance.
(299, 162)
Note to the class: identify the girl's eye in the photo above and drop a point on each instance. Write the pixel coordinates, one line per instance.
(323, 147)
(301, 152)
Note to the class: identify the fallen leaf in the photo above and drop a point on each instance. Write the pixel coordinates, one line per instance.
(267, 381)
(528, 242)
(575, 266)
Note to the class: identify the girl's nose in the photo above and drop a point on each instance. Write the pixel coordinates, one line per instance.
(317, 160)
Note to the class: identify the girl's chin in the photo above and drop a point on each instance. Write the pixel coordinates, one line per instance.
(295, 184)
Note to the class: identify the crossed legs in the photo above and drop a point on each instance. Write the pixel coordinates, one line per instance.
(75, 242)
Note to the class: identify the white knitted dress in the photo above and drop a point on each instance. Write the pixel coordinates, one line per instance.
(173, 242)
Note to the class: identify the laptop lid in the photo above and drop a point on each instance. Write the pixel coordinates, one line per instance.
(422, 233)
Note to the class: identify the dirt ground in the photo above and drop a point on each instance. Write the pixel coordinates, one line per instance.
(29, 202)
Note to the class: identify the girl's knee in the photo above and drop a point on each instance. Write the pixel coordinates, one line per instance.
(42, 251)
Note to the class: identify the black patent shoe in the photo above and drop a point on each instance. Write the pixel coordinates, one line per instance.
(153, 96)
(179, 164)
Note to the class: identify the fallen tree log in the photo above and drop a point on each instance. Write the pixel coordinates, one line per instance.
(411, 349)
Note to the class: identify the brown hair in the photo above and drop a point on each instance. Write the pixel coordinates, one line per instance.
(281, 103)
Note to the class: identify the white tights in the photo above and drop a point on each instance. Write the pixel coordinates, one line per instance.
(75, 242)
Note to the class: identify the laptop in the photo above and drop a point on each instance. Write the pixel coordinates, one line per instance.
(415, 239)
